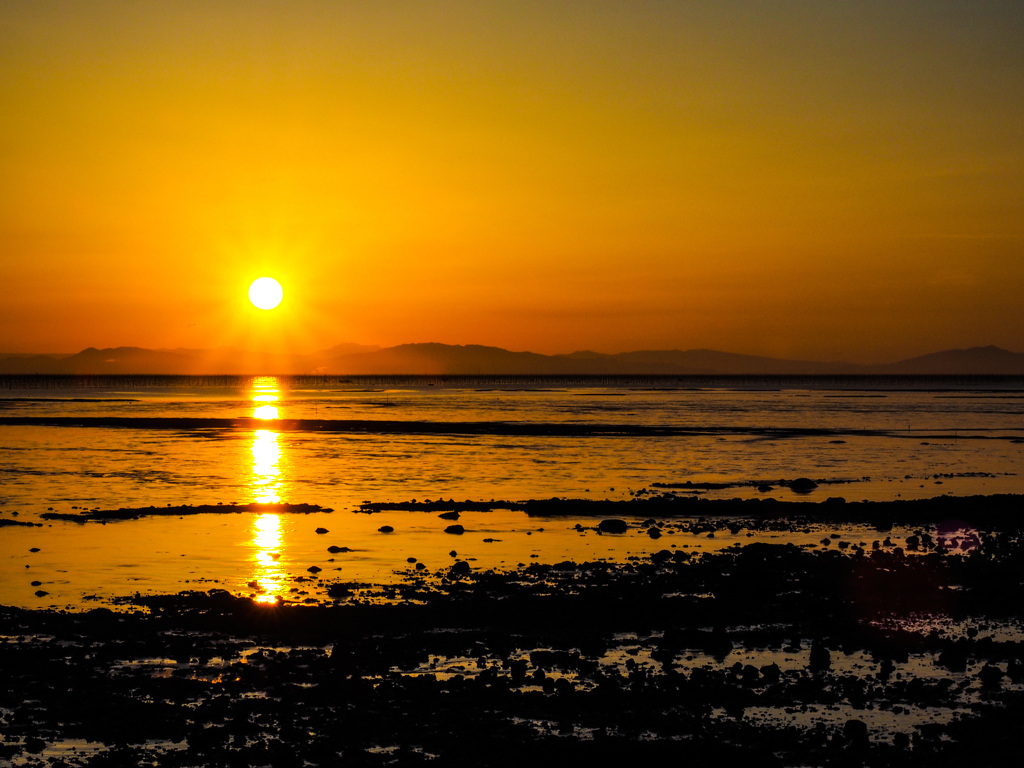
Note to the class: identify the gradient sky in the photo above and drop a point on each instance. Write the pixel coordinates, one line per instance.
(828, 180)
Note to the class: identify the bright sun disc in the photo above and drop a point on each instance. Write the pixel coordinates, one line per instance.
(266, 292)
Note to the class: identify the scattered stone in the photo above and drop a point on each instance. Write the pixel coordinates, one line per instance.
(314, 569)
(34, 549)
(990, 675)
(449, 515)
(654, 532)
(41, 593)
(612, 525)
(856, 733)
(386, 529)
(456, 529)
(335, 550)
(802, 485)
(821, 659)
(321, 531)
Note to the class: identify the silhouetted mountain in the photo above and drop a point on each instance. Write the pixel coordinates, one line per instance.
(447, 359)
(976, 361)
(438, 359)
(347, 349)
(705, 361)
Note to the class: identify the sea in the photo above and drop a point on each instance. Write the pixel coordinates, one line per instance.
(73, 444)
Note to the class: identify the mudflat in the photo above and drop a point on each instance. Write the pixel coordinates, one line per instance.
(841, 653)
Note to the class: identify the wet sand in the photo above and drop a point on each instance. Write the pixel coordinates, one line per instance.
(801, 652)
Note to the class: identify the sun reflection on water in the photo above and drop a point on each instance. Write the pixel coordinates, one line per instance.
(265, 412)
(269, 580)
(265, 390)
(266, 467)
(267, 486)
(266, 483)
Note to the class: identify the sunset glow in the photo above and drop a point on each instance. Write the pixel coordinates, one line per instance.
(824, 181)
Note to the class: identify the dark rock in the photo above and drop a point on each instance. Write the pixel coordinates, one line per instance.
(802, 485)
(314, 569)
(335, 550)
(764, 487)
(456, 529)
(37, 583)
(612, 525)
(41, 593)
(34, 745)
(821, 659)
(386, 529)
(653, 532)
(856, 734)
(410, 559)
(449, 515)
(990, 675)
(34, 549)
(420, 567)
(954, 659)
(771, 672)
(461, 568)
(453, 553)
(1015, 671)
(322, 530)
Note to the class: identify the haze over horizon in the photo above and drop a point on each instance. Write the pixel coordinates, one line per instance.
(814, 181)
(461, 360)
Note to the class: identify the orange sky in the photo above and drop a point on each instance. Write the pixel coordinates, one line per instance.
(799, 179)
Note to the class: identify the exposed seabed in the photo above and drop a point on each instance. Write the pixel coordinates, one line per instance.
(771, 653)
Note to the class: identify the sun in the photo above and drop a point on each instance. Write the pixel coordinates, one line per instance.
(266, 292)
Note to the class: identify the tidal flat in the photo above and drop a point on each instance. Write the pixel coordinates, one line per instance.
(262, 572)
(896, 636)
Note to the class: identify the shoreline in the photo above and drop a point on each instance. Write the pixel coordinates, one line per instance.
(764, 652)
(996, 510)
(488, 428)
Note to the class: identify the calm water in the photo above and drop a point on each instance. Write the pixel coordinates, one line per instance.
(874, 443)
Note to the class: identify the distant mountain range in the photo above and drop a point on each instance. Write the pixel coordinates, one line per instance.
(445, 359)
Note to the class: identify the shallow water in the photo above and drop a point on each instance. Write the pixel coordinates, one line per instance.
(908, 444)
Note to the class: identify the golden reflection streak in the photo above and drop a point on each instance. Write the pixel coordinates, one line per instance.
(265, 390)
(270, 578)
(267, 412)
(266, 469)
